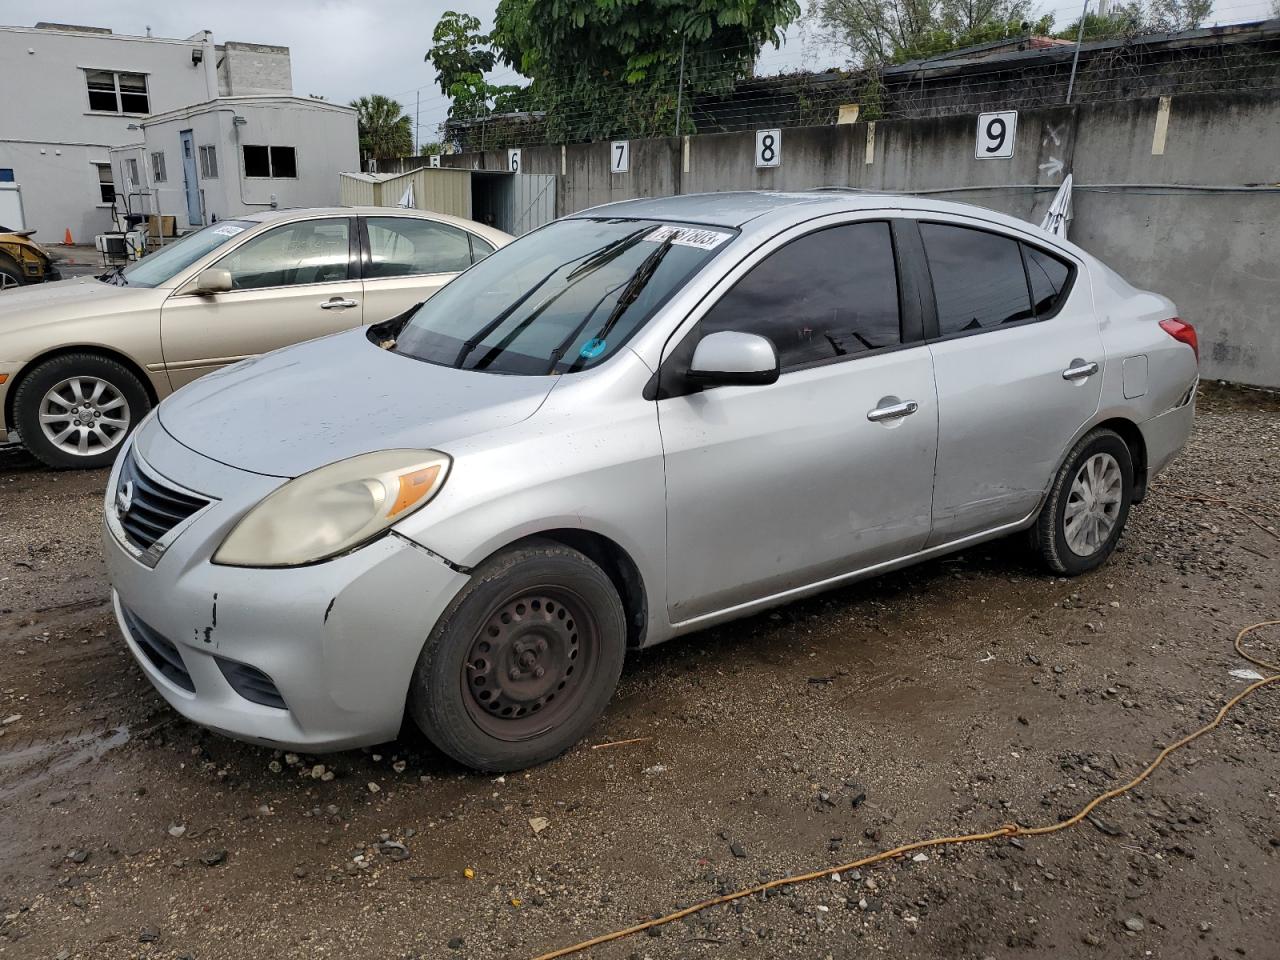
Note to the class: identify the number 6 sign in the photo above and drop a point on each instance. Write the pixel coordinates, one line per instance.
(996, 133)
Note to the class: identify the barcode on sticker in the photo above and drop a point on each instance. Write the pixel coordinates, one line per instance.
(689, 237)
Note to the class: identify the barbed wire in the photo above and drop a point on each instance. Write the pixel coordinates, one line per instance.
(1116, 72)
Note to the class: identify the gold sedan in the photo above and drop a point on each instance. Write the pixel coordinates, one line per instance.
(82, 361)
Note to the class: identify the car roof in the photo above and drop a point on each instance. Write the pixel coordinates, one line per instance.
(295, 213)
(765, 208)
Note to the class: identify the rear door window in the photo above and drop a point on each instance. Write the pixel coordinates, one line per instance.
(830, 294)
(978, 279)
(406, 246)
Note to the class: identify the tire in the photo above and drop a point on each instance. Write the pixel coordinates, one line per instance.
(10, 275)
(109, 414)
(1072, 536)
(464, 695)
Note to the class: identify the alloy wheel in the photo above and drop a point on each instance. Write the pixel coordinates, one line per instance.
(84, 416)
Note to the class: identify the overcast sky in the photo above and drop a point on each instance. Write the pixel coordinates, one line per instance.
(343, 49)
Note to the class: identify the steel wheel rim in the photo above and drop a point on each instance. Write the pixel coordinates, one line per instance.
(547, 629)
(1093, 504)
(84, 416)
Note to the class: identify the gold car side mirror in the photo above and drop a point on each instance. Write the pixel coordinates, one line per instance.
(213, 280)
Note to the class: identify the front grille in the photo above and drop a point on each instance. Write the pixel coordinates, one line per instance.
(148, 508)
(251, 683)
(162, 654)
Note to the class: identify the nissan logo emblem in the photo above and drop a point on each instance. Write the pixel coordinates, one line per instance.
(124, 498)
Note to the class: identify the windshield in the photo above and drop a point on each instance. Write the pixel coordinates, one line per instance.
(159, 267)
(560, 299)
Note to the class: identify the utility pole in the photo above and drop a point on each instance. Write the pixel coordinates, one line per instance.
(417, 121)
(1076, 59)
(680, 88)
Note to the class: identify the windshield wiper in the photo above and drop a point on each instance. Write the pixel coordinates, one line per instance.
(635, 286)
(115, 276)
(596, 259)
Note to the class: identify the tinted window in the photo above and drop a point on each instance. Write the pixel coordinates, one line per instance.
(401, 246)
(312, 251)
(284, 162)
(829, 294)
(1048, 276)
(257, 162)
(978, 279)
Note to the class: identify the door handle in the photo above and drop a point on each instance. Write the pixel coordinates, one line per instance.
(1079, 370)
(337, 303)
(894, 411)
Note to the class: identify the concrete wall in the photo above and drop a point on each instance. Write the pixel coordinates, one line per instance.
(1216, 252)
(245, 69)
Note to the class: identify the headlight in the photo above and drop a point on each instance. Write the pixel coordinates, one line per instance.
(330, 510)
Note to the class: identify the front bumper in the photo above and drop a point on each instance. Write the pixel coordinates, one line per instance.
(338, 639)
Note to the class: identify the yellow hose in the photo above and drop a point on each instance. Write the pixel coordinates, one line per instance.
(1007, 830)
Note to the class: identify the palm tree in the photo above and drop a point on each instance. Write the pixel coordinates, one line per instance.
(385, 130)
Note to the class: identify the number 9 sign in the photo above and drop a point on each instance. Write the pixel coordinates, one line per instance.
(996, 133)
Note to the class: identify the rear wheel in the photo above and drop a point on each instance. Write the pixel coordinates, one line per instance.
(523, 661)
(10, 275)
(1088, 505)
(75, 411)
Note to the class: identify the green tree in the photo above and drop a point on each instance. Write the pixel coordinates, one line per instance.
(458, 50)
(1134, 18)
(385, 129)
(600, 67)
(880, 32)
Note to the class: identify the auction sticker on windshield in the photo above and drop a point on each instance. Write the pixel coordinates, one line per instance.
(689, 237)
(228, 230)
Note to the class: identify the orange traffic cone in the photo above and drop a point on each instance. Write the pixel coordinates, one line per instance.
(66, 240)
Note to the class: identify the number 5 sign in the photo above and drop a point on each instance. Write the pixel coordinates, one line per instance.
(996, 132)
(768, 148)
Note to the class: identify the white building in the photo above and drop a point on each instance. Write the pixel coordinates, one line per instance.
(234, 155)
(73, 93)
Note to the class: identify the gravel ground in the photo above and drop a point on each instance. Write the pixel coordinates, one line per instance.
(958, 696)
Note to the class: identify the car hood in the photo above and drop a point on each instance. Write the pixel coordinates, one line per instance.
(291, 411)
(45, 303)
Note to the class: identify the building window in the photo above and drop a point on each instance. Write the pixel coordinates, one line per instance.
(209, 162)
(112, 92)
(106, 189)
(131, 170)
(274, 162)
(6, 174)
(157, 167)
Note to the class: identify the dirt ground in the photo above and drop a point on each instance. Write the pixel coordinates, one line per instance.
(958, 696)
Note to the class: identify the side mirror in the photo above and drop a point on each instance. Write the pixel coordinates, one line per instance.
(213, 280)
(731, 357)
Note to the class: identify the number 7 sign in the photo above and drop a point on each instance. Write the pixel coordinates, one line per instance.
(996, 134)
(619, 156)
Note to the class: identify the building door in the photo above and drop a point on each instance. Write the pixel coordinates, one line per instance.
(190, 180)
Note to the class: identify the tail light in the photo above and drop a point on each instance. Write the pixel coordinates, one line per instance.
(1183, 332)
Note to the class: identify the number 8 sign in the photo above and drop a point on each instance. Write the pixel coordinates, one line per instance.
(996, 133)
(768, 148)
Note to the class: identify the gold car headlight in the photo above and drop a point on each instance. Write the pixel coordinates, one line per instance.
(334, 508)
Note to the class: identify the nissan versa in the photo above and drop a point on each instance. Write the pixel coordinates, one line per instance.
(630, 424)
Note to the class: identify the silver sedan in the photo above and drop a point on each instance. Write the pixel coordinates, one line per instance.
(633, 423)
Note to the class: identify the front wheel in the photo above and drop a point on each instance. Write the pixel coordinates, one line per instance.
(76, 410)
(1088, 505)
(523, 661)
